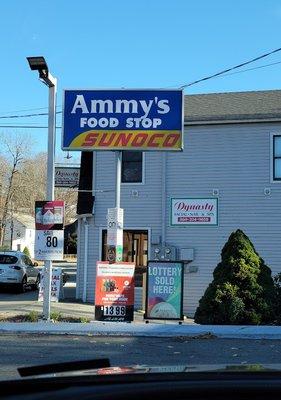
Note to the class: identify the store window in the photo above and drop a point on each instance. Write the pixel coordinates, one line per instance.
(132, 167)
(277, 157)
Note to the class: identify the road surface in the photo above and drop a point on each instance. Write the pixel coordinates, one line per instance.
(27, 350)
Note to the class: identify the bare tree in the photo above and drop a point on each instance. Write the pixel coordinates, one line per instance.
(15, 149)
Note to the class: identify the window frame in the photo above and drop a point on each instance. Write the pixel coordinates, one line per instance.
(273, 179)
(142, 173)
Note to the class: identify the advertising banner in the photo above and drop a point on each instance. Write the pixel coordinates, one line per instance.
(67, 177)
(49, 215)
(56, 284)
(114, 296)
(164, 290)
(194, 212)
(141, 119)
(49, 235)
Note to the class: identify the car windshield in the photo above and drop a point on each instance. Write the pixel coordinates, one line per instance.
(140, 183)
(7, 259)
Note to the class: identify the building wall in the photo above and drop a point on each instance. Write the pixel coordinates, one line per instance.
(22, 236)
(235, 159)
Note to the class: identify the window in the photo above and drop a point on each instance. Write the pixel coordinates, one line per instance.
(132, 167)
(277, 158)
(6, 259)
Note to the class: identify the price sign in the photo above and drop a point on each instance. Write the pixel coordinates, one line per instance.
(114, 297)
(49, 245)
(114, 311)
(49, 236)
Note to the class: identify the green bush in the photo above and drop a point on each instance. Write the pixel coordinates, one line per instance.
(277, 284)
(242, 291)
(26, 251)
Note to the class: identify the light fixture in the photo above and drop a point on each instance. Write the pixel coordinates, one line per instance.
(39, 64)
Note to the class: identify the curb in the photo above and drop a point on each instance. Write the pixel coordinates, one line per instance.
(143, 330)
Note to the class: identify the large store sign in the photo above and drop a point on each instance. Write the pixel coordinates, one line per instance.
(123, 119)
(194, 211)
(114, 296)
(164, 290)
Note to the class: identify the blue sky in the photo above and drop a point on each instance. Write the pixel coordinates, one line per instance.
(126, 43)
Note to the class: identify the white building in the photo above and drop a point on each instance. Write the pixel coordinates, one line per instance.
(20, 231)
(232, 152)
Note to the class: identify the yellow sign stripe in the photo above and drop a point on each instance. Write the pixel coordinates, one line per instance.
(158, 139)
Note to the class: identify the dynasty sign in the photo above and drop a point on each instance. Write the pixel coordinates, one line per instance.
(120, 119)
(194, 212)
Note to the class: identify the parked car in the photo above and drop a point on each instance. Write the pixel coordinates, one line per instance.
(18, 271)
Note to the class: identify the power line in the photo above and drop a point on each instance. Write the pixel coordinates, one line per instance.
(250, 69)
(230, 69)
(27, 126)
(28, 109)
(26, 115)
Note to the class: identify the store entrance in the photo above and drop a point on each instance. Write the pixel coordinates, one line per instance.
(135, 249)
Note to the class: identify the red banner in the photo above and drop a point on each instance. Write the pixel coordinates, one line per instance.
(114, 296)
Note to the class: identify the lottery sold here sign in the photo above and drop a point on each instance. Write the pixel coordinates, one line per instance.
(149, 119)
(164, 290)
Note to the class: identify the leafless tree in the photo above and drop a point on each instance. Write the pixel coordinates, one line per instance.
(14, 152)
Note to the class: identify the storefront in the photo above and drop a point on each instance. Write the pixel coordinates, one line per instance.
(184, 206)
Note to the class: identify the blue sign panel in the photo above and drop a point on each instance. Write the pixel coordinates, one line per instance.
(123, 119)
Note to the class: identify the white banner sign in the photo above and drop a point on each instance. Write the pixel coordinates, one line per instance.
(115, 226)
(55, 285)
(190, 211)
(115, 218)
(49, 245)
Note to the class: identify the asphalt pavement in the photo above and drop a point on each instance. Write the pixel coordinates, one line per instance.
(12, 303)
(27, 350)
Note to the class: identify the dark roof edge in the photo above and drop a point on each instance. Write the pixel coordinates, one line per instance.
(229, 121)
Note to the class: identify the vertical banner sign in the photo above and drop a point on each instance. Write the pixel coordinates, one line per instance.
(49, 218)
(164, 290)
(115, 218)
(56, 284)
(143, 119)
(114, 296)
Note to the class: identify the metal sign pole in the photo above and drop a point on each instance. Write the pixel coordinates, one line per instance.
(118, 178)
(50, 192)
(118, 253)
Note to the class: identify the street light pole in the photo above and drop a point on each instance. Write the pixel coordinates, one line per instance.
(39, 64)
(50, 191)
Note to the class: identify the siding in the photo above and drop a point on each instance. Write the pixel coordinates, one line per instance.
(232, 158)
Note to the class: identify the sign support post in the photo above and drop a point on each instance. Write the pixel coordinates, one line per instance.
(118, 257)
(50, 191)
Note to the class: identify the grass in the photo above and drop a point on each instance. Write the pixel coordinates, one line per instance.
(34, 316)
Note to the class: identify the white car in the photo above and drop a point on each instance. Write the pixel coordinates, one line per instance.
(18, 271)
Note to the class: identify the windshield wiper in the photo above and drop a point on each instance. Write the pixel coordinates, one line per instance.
(64, 367)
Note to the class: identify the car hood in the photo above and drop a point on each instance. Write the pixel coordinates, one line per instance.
(168, 369)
